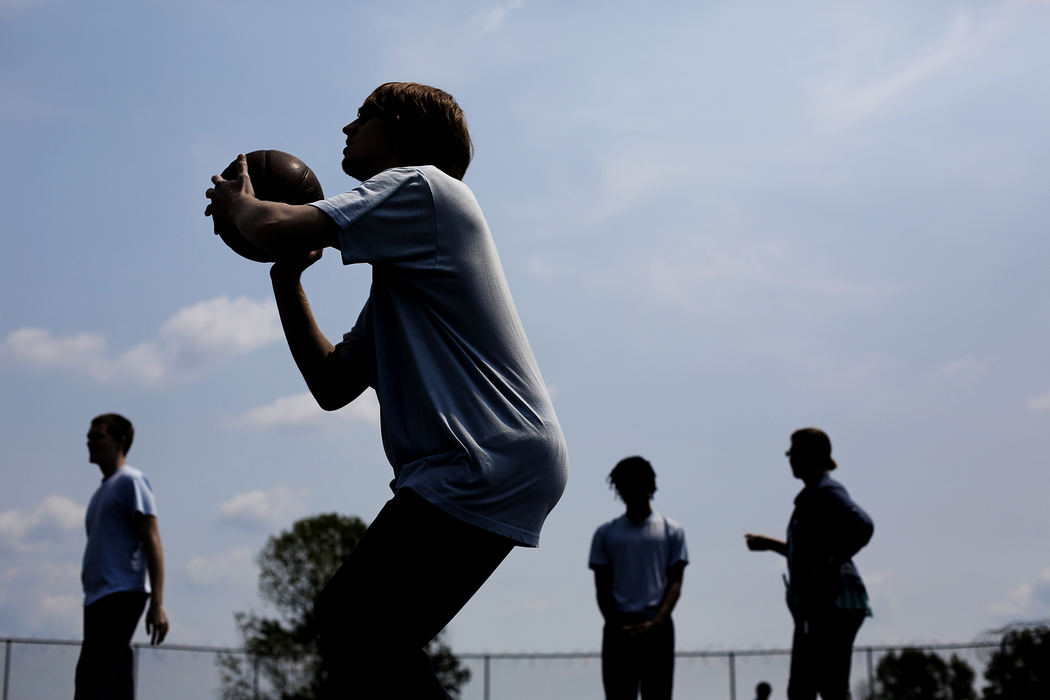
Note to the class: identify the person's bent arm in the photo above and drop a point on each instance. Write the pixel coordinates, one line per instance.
(672, 593)
(333, 381)
(283, 230)
(854, 528)
(603, 582)
(761, 543)
(156, 618)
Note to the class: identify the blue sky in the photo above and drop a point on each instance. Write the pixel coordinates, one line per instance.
(720, 221)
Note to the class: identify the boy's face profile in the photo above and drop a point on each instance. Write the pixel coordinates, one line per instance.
(102, 447)
(369, 149)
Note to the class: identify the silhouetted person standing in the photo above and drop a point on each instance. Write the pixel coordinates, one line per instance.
(638, 561)
(123, 546)
(763, 690)
(825, 593)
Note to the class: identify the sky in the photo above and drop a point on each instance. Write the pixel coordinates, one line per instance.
(720, 221)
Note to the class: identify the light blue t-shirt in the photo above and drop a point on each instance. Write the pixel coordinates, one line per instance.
(115, 558)
(639, 555)
(466, 418)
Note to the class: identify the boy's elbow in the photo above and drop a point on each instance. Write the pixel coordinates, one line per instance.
(329, 401)
(331, 396)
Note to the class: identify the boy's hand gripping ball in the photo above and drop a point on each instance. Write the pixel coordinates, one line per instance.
(276, 177)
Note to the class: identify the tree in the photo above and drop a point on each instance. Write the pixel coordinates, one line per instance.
(1020, 668)
(918, 675)
(293, 568)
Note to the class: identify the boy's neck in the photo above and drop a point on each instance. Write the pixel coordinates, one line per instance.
(639, 512)
(108, 469)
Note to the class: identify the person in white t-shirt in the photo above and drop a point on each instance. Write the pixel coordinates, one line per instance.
(123, 547)
(638, 560)
(477, 452)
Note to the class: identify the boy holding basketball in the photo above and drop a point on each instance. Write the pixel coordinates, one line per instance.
(478, 455)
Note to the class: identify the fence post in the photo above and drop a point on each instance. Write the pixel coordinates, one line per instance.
(871, 676)
(7, 666)
(487, 697)
(732, 676)
(135, 670)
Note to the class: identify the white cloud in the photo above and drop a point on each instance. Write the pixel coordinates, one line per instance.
(42, 598)
(495, 17)
(229, 568)
(851, 99)
(192, 341)
(274, 507)
(1027, 600)
(60, 607)
(1040, 403)
(301, 411)
(55, 517)
(82, 353)
(695, 275)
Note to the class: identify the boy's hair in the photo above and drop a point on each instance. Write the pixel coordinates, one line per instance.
(763, 689)
(633, 469)
(817, 443)
(118, 427)
(425, 124)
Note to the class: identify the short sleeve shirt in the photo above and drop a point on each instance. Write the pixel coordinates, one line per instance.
(466, 418)
(639, 555)
(115, 558)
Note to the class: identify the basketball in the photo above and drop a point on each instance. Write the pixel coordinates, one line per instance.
(276, 177)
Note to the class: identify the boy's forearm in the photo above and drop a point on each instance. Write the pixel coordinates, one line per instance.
(283, 229)
(607, 606)
(332, 385)
(308, 345)
(671, 595)
(604, 595)
(155, 566)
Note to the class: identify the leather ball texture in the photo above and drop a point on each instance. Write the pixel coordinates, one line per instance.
(276, 177)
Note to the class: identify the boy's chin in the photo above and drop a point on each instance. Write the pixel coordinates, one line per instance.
(355, 169)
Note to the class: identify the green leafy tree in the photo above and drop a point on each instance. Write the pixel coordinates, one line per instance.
(1020, 668)
(283, 651)
(918, 675)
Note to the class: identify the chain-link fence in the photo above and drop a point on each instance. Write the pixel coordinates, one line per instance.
(35, 669)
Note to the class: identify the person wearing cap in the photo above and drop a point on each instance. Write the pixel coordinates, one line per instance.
(825, 593)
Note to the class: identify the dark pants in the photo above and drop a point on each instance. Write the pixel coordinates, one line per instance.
(104, 670)
(821, 653)
(639, 662)
(409, 575)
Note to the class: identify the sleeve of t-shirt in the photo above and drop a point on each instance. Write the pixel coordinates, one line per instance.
(677, 552)
(389, 218)
(140, 496)
(599, 555)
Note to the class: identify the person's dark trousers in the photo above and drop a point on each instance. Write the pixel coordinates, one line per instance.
(640, 662)
(821, 653)
(412, 571)
(105, 667)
